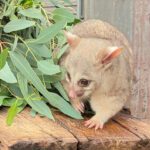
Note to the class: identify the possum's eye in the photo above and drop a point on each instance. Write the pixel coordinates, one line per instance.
(84, 82)
(68, 77)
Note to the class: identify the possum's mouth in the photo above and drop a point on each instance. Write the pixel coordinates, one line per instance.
(86, 95)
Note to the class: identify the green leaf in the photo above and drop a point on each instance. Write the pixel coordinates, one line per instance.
(6, 74)
(27, 3)
(2, 99)
(24, 67)
(10, 101)
(40, 50)
(62, 51)
(47, 34)
(56, 3)
(63, 14)
(23, 84)
(15, 43)
(4, 90)
(12, 112)
(10, 9)
(21, 48)
(32, 98)
(61, 90)
(22, 106)
(32, 13)
(68, 1)
(47, 68)
(18, 24)
(51, 79)
(3, 57)
(61, 39)
(40, 107)
(33, 113)
(15, 90)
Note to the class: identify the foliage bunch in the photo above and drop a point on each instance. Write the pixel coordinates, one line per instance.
(31, 43)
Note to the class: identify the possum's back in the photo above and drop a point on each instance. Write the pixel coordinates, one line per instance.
(100, 29)
(103, 30)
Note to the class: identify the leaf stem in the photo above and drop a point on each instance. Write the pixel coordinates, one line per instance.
(9, 90)
(29, 50)
(49, 23)
(3, 43)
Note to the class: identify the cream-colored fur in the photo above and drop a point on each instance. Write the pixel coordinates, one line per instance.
(110, 84)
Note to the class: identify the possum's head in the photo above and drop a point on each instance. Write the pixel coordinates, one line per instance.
(84, 63)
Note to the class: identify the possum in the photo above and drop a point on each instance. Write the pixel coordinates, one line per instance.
(99, 69)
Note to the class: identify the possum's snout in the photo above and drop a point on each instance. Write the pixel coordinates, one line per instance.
(75, 94)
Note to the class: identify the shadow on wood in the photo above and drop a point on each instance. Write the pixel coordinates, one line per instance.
(28, 133)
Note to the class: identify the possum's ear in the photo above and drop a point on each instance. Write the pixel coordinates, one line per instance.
(111, 53)
(72, 39)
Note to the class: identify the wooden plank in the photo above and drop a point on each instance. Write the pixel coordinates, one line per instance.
(116, 12)
(73, 3)
(69, 134)
(71, 7)
(140, 105)
(139, 127)
(113, 136)
(34, 133)
(146, 120)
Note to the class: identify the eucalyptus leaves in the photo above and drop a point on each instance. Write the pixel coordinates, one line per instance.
(29, 73)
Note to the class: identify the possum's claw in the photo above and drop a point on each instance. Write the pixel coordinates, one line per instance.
(79, 106)
(93, 122)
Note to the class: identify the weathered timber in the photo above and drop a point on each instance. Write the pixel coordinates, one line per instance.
(71, 7)
(135, 126)
(34, 133)
(39, 133)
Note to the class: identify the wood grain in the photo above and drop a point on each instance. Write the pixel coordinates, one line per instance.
(39, 133)
(140, 105)
(140, 128)
(71, 7)
(116, 12)
(113, 136)
(34, 133)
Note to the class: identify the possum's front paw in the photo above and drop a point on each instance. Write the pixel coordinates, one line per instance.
(79, 106)
(94, 122)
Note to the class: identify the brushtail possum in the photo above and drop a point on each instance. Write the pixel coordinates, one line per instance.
(99, 67)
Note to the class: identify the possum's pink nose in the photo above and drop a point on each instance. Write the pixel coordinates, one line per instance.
(74, 94)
